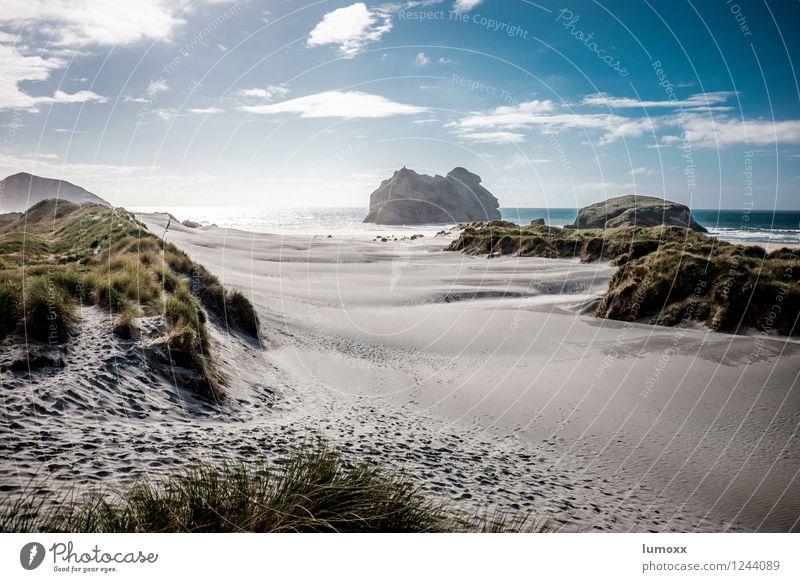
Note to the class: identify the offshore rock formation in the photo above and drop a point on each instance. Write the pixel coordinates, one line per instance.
(411, 198)
(635, 210)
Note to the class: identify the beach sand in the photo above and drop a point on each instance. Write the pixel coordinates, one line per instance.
(484, 380)
(486, 377)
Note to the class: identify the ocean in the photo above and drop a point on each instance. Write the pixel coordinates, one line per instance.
(757, 226)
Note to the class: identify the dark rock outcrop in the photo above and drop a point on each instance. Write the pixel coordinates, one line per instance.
(635, 210)
(21, 191)
(411, 198)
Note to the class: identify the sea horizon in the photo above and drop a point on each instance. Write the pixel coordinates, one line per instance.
(754, 226)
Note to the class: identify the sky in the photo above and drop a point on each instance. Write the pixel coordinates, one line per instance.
(278, 103)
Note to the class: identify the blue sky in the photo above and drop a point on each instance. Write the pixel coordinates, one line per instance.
(293, 103)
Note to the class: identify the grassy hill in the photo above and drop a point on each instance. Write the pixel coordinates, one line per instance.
(58, 256)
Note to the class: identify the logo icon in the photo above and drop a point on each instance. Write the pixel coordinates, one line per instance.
(31, 555)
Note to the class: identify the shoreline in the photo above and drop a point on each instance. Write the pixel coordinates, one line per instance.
(357, 229)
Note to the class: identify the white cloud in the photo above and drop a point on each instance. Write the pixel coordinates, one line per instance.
(538, 114)
(706, 109)
(167, 114)
(720, 132)
(421, 59)
(493, 137)
(513, 116)
(698, 100)
(268, 93)
(616, 127)
(444, 61)
(519, 160)
(67, 26)
(205, 110)
(351, 28)
(157, 86)
(641, 171)
(465, 5)
(79, 97)
(349, 104)
(17, 68)
(81, 22)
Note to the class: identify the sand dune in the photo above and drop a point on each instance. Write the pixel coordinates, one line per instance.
(480, 378)
(484, 378)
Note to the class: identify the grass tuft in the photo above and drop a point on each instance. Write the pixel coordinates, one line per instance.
(49, 311)
(240, 309)
(10, 306)
(315, 490)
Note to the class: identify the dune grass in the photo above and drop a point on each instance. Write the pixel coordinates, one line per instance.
(93, 255)
(314, 490)
(667, 275)
(232, 308)
(10, 306)
(49, 310)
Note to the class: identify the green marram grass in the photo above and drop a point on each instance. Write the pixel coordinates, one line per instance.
(59, 255)
(314, 490)
(666, 275)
